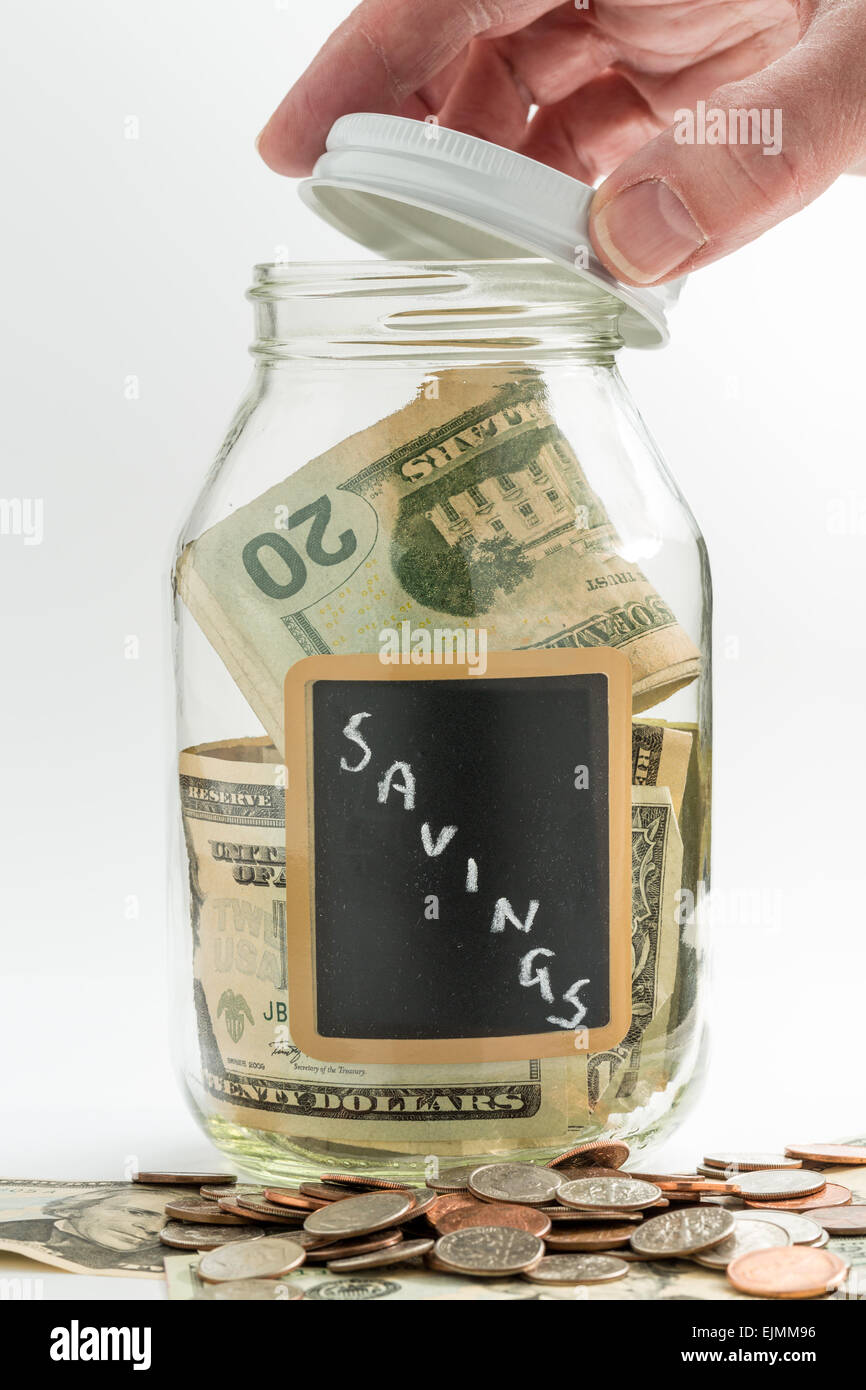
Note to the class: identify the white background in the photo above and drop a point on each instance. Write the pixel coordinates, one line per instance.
(129, 258)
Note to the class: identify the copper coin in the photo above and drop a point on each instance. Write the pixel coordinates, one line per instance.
(842, 1220)
(348, 1249)
(749, 1162)
(495, 1214)
(676, 1189)
(764, 1184)
(378, 1259)
(659, 1178)
(201, 1209)
(279, 1215)
(370, 1184)
(325, 1191)
(186, 1235)
(792, 1271)
(448, 1201)
(608, 1153)
(262, 1207)
(568, 1172)
(833, 1195)
(589, 1238)
(291, 1197)
(849, 1155)
(185, 1179)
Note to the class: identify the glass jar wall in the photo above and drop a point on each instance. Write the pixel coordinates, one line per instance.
(431, 458)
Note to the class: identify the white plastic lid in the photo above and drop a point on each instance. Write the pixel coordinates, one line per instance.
(412, 190)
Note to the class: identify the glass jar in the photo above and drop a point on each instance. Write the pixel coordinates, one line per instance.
(427, 449)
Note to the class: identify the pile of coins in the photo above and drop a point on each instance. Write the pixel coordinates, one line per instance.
(762, 1220)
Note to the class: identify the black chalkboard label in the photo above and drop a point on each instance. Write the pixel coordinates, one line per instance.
(458, 857)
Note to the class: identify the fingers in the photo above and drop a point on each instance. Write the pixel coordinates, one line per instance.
(682, 201)
(592, 131)
(376, 61)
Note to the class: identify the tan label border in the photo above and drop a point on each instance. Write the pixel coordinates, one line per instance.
(300, 857)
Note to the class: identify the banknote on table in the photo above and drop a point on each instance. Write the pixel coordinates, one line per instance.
(656, 878)
(233, 806)
(87, 1227)
(465, 511)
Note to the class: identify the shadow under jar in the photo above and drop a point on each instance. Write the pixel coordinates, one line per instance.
(443, 682)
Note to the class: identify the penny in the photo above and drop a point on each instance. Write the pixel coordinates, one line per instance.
(234, 1190)
(186, 1179)
(672, 1179)
(682, 1232)
(261, 1289)
(489, 1251)
(291, 1197)
(325, 1191)
(262, 1207)
(523, 1183)
(746, 1235)
(276, 1215)
(266, 1258)
(396, 1255)
(589, 1238)
(591, 1170)
(448, 1201)
(577, 1269)
(364, 1245)
(629, 1193)
(453, 1179)
(185, 1235)
(833, 1195)
(749, 1162)
(797, 1271)
(609, 1153)
(358, 1216)
(841, 1221)
(495, 1214)
(802, 1230)
(560, 1215)
(371, 1184)
(848, 1154)
(678, 1190)
(779, 1182)
(201, 1209)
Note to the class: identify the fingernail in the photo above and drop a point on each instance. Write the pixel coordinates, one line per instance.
(646, 232)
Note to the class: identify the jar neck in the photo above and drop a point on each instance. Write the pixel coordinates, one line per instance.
(486, 312)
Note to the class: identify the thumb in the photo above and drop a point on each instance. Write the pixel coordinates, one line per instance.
(753, 154)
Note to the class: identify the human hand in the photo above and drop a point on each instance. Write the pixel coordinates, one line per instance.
(608, 81)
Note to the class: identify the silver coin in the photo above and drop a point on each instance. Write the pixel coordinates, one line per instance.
(488, 1251)
(266, 1258)
(454, 1179)
(378, 1259)
(802, 1230)
(747, 1162)
(577, 1269)
(186, 1235)
(271, 1290)
(358, 1216)
(631, 1194)
(780, 1182)
(746, 1235)
(574, 1217)
(515, 1182)
(682, 1232)
(239, 1189)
